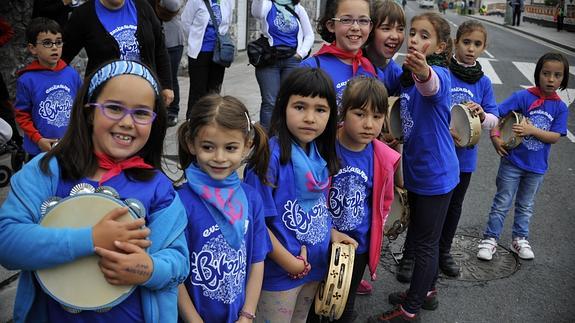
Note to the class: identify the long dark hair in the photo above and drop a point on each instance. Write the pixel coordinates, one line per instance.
(229, 113)
(75, 151)
(308, 82)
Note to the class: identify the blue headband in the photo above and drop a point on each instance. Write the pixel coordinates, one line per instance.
(119, 67)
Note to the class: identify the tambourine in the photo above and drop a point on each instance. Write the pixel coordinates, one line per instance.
(80, 285)
(392, 123)
(398, 218)
(332, 293)
(510, 139)
(466, 125)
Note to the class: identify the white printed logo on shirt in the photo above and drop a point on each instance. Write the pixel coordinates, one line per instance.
(284, 25)
(310, 227)
(57, 105)
(347, 198)
(542, 120)
(406, 120)
(219, 269)
(126, 38)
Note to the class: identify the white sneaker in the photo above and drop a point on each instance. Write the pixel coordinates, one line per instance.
(487, 248)
(522, 248)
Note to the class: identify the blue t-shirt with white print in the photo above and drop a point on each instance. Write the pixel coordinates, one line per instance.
(155, 194)
(430, 165)
(351, 194)
(292, 226)
(283, 31)
(390, 76)
(218, 272)
(480, 92)
(122, 24)
(211, 35)
(532, 154)
(48, 96)
(339, 72)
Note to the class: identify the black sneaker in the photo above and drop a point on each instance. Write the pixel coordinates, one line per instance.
(405, 269)
(172, 121)
(396, 315)
(448, 266)
(430, 303)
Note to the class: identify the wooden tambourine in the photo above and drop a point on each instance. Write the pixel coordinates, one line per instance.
(510, 139)
(80, 285)
(466, 125)
(331, 295)
(398, 218)
(392, 123)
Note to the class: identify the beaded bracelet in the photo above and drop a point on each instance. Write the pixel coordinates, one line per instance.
(305, 271)
(247, 315)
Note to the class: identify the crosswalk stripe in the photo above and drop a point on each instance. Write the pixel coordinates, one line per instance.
(489, 70)
(527, 69)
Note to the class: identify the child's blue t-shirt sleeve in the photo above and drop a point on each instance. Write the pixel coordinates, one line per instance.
(309, 62)
(265, 191)
(508, 105)
(488, 103)
(262, 243)
(23, 97)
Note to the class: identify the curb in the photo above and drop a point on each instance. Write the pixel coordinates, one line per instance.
(547, 40)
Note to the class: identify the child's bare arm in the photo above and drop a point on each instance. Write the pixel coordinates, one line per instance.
(186, 309)
(284, 258)
(253, 290)
(526, 128)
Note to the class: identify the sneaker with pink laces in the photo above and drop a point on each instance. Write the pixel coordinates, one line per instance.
(396, 315)
(364, 288)
(522, 248)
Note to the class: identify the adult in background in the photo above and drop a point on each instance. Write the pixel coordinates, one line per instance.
(119, 29)
(286, 26)
(167, 12)
(560, 15)
(517, 6)
(57, 10)
(205, 75)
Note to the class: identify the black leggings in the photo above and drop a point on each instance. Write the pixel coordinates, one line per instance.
(454, 213)
(426, 216)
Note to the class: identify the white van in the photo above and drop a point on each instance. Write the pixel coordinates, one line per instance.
(426, 3)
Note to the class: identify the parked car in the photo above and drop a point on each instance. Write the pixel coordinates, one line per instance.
(426, 3)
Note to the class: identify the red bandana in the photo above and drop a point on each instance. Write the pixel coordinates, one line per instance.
(357, 59)
(114, 168)
(540, 98)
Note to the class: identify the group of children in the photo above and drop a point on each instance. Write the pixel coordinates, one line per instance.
(257, 248)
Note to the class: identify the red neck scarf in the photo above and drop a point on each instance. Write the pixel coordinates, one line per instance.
(540, 98)
(114, 168)
(357, 59)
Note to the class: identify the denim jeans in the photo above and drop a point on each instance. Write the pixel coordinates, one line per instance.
(175, 54)
(269, 79)
(513, 182)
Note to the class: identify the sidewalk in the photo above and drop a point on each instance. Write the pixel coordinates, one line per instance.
(563, 39)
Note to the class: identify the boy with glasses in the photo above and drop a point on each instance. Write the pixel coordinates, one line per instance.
(45, 89)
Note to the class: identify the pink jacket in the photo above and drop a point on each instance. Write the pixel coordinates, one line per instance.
(385, 163)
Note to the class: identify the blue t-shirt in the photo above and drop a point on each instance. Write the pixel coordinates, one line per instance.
(351, 194)
(532, 154)
(339, 72)
(291, 225)
(390, 76)
(211, 35)
(218, 272)
(155, 194)
(122, 24)
(481, 93)
(283, 31)
(48, 96)
(430, 165)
